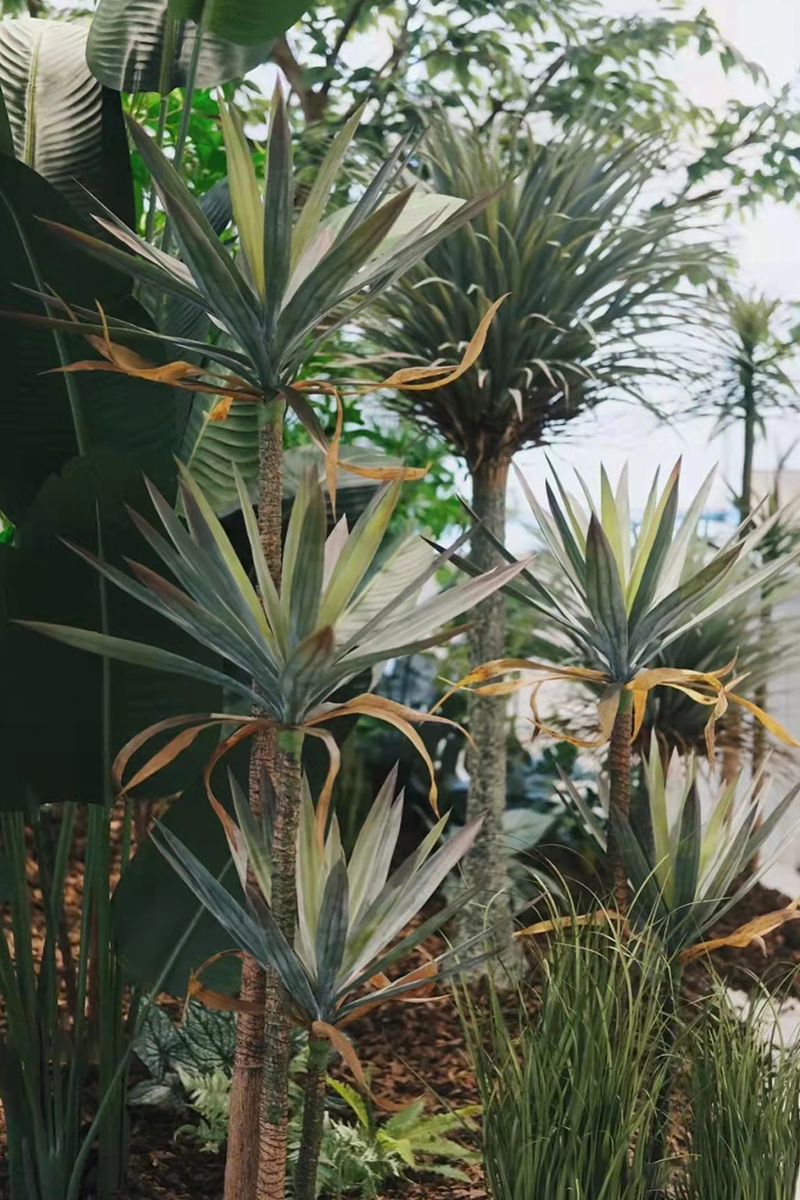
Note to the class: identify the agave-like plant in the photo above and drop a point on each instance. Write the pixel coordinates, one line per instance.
(591, 270)
(350, 915)
(627, 596)
(293, 282)
(335, 612)
(686, 872)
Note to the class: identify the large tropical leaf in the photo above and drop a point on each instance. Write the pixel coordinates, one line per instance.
(153, 908)
(47, 418)
(245, 22)
(126, 44)
(65, 124)
(52, 701)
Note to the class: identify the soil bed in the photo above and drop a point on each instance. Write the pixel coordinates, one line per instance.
(417, 1047)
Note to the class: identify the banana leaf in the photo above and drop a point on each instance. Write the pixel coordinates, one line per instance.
(47, 419)
(127, 40)
(65, 124)
(60, 722)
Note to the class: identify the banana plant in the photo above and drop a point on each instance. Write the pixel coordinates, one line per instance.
(350, 915)
(686, 871)
(64, 124)
(627, 596)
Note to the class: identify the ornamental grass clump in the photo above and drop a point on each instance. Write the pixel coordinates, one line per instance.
(568, 1082)
(743, 1096)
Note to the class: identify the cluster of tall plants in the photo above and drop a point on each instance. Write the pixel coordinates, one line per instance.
(288, 644)
(573, 1069)
(540, 278)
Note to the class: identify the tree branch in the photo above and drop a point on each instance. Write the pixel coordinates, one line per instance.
(312, 103)
(332, 57)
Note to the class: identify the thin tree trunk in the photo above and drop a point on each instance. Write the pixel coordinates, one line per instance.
(750, 414)
(313, 1120)
(731, 750)
(485, 867)
(241, 1164)
(619, 770)
(277, 1049)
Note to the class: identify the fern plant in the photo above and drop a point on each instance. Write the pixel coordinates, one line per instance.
(210, 1097)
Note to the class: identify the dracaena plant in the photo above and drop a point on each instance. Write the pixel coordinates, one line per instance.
(687, 872)
(590, 267)
(294, 280)
(335, 612)
(350, 921)
(686, 868)
(257, 308)
(627, 595)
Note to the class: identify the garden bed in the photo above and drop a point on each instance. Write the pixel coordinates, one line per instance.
(417, 1047)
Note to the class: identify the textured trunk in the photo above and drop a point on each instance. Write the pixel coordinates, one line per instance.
(619, 769)
(277, 1049)
(241, 1164)
(313, 1120)
(485, 867)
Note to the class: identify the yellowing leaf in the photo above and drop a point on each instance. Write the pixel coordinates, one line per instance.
(752, 931)
(425, 379)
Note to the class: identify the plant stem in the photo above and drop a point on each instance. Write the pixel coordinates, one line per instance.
(313, 1120)
(186, 113)
(277, 1049)
(666, 1048)
(750, 417)
(241, 1164)
(619, 769)
(164, 73)
(485, 867)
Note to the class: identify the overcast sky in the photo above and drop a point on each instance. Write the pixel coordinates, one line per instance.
(767, 245)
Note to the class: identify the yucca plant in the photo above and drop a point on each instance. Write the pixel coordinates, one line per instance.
(589, 269)
(335, 612)
(686, 869)
(349, 915)
(627, 597)
(295, 280)
(257, 310)
(758, 343)
(687, 873)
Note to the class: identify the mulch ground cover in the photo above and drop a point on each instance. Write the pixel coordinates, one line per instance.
(414, 1048)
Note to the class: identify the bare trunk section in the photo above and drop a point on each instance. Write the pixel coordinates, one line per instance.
(485, 867)
(277, 1049)
(619, 769)
(313, 1120)
(241, 1164)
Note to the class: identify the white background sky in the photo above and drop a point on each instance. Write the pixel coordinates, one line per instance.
(768, 248)
(767, 245)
